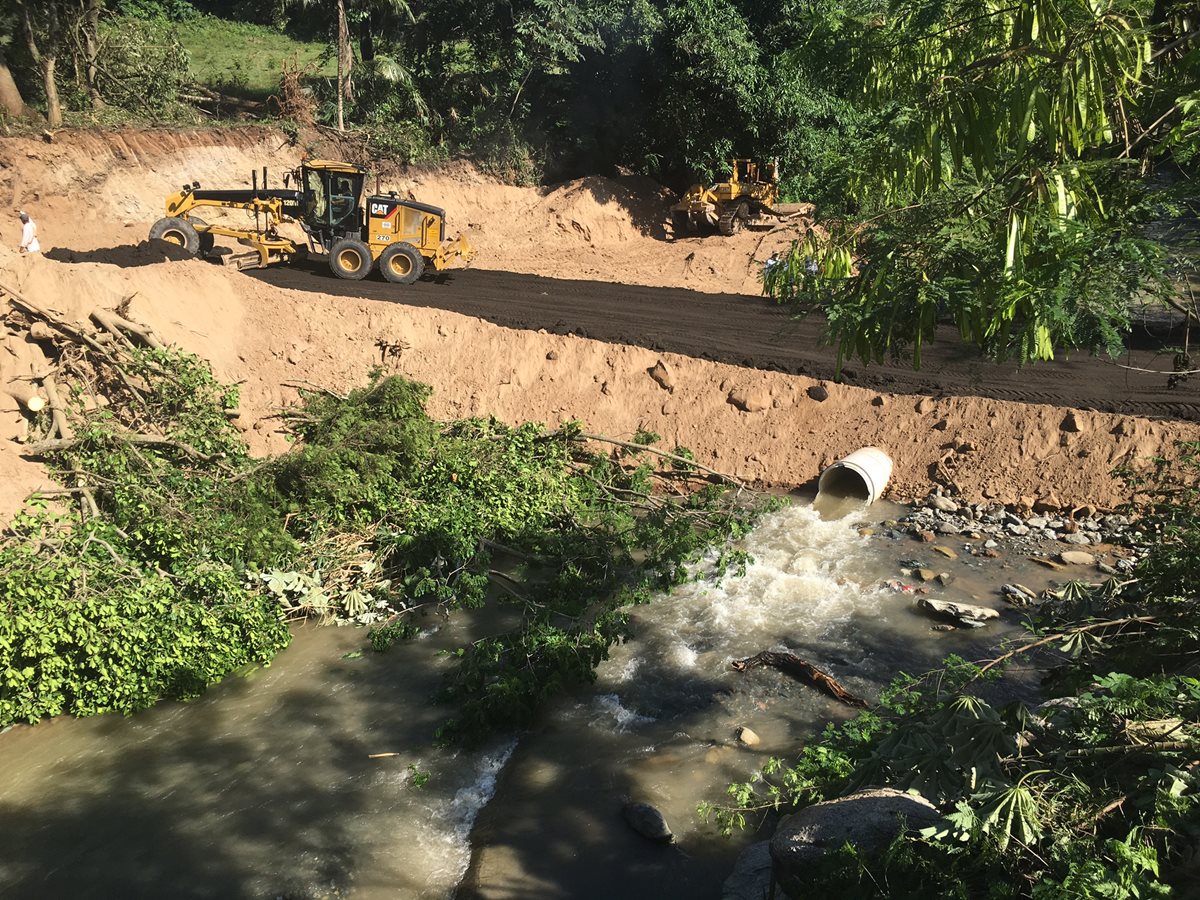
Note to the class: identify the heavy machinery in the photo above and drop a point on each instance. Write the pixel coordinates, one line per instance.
(327, 199)
(751, 191)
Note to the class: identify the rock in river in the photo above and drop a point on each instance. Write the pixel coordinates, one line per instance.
(962, 613)
(869, 819)
(648, 822)
(1077, 558)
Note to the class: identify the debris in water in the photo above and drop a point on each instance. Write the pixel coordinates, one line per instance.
(801, 670)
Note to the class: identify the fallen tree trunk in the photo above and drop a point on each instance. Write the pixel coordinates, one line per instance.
(801, 670)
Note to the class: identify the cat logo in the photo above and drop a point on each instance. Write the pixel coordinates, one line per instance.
(379, 209)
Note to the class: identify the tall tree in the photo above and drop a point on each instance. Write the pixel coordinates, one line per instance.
(45, 29)
(362, 11)
(1005, 182)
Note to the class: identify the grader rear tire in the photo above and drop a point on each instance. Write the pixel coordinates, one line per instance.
(401, 263)
(179, 232)
(350, 259)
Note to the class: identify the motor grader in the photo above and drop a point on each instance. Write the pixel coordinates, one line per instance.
(751, 191)
(326, 198)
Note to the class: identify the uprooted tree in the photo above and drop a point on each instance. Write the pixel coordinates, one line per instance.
(169, 557)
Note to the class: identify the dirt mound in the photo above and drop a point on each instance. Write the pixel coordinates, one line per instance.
(765, 427)
(95, 190)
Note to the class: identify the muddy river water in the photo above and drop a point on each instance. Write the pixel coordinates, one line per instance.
(272, 784)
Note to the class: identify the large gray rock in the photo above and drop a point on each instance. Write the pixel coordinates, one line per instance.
(963, 614)
(751, 876)
(869, 819)
(942, 504)
(648, 822)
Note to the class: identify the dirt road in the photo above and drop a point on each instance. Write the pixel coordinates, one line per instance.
(749, 331)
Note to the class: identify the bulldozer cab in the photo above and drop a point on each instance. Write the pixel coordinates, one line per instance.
(332, 195)
(749, 171)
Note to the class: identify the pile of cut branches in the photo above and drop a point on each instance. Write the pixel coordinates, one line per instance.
(379, 514)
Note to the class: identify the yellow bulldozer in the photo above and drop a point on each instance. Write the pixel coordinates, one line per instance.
(750, 194)
(355, 232)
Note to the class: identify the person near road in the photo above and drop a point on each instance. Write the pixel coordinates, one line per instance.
(29, 240)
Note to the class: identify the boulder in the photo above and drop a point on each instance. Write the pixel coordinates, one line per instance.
(1077, 558)
(1077, 538)
(943, 504)
(869, 819)
(648, 822)
(751, 875)
(818, 392)
(749, 401)
(661, 373)
(747, 736)
(963, 614)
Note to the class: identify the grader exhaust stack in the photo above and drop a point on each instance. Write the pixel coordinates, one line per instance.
(355, 232)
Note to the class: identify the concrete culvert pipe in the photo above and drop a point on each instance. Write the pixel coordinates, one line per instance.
(862, 475)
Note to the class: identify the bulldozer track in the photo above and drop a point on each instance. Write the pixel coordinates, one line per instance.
(750, 331)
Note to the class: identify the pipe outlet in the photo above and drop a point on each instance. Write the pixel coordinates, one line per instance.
(862, 475)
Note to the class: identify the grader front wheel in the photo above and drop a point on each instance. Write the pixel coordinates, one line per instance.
(179, 232)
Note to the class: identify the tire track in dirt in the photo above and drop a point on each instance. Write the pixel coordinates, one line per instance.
(749, 331)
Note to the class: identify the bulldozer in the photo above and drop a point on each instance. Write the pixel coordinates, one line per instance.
(750, 194)
(326, 197)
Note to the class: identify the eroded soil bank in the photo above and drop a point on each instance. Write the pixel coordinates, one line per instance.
(95, 194)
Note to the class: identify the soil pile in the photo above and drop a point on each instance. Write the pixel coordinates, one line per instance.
(766, 427)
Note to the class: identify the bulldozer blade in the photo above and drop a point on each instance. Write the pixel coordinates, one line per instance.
(788, 210)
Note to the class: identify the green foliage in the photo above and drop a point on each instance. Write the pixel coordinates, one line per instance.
(190, 556)
(241, 57)
(170, 10)
(445, 504)
(1003, 169)
(89, 625)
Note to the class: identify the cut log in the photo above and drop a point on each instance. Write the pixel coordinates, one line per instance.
(27, 396)
(801, 670)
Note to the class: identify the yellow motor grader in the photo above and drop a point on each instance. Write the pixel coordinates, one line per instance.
(327, 199)
(751, 191)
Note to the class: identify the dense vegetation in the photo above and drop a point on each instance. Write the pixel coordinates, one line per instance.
(1093, 792)
(187, 558)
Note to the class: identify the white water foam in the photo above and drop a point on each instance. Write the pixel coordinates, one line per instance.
(805, 580)
(448, 840)
(612, 713)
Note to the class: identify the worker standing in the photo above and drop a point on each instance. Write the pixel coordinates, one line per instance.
(29, 241)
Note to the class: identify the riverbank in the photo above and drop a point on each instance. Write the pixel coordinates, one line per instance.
(268, 784)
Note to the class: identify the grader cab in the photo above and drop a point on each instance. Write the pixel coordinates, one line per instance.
(355, 232)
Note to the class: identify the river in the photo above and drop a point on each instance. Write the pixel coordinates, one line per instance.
(273, 784)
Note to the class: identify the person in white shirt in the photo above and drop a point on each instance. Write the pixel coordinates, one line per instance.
(29, 241)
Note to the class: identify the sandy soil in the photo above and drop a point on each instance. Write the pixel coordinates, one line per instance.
(104, 190)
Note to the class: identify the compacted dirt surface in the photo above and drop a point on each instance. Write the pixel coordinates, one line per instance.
(751, 331)
(579, 306)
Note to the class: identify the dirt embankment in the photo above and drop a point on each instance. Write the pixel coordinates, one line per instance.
(768, 427)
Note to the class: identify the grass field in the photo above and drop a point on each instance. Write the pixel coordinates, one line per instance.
(245, 60)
